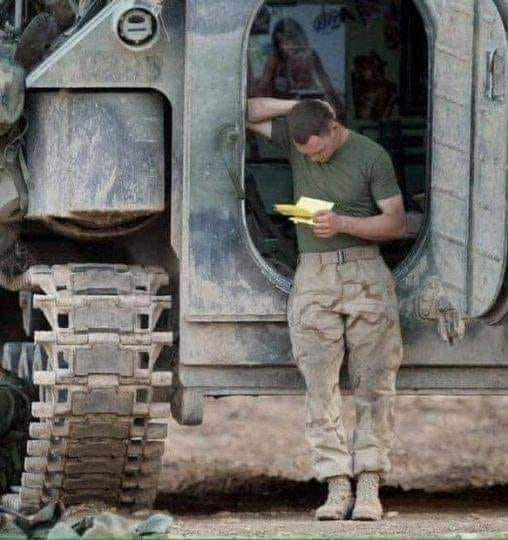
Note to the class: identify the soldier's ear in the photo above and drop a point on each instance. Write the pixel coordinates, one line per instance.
(334, 125)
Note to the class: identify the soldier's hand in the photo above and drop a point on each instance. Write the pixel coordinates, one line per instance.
(326, 224)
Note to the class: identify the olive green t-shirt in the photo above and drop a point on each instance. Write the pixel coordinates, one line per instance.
(358, 175)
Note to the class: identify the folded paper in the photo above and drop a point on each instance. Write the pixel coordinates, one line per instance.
(303, 211)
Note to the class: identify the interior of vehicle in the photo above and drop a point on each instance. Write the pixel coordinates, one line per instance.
(369, 59)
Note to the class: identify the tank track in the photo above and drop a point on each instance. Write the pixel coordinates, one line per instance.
(95, 437)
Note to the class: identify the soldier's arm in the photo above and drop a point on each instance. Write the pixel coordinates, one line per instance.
(261, 111)
(389, 225)
(261, 128)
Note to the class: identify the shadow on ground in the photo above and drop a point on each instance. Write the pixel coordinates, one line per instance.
(265, 494)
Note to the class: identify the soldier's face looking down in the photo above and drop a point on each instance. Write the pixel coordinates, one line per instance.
(320, 148)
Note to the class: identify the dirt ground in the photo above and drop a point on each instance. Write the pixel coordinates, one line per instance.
(270, 508)
(264, 507)
(410, 522)
(247, 471)
(441, 443)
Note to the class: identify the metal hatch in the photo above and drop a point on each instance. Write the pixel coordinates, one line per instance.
(469, 226)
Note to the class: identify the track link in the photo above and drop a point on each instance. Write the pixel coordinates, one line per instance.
(96, 437)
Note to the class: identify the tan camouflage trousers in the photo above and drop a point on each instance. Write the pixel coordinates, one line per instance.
(334, 308)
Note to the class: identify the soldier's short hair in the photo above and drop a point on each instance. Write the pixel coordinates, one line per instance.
(307, 118)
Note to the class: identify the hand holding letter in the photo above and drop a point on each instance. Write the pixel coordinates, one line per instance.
(327, 224)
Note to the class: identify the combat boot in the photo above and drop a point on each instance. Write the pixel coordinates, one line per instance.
(340, 501)
(368, 506)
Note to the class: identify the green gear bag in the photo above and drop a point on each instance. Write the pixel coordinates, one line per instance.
(15, 409)
(12, 93)
(13, 177)
(64, 11)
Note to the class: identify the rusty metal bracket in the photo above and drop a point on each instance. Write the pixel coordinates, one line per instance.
(433, 304)
(494, 85)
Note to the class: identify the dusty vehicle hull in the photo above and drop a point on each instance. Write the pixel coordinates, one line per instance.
(232, 326)
(231, 319)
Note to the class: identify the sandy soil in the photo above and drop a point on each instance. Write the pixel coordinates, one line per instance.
(247, 472)
(292, 524)
(442, 443)
(270, 508)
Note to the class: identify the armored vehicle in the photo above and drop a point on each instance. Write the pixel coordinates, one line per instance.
(154, 271)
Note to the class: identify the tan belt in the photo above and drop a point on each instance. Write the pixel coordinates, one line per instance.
(341, 256)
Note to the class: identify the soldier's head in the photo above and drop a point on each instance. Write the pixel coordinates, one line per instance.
(314, 129)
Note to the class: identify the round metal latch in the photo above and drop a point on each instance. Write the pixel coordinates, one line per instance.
(137, 28)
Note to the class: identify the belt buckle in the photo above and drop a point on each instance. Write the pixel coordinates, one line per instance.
(341, 257)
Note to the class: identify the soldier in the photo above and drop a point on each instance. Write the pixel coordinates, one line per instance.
(343, 294)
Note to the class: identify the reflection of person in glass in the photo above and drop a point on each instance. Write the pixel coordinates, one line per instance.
(294, 69)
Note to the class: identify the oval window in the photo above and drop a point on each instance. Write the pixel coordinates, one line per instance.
(370, 61)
